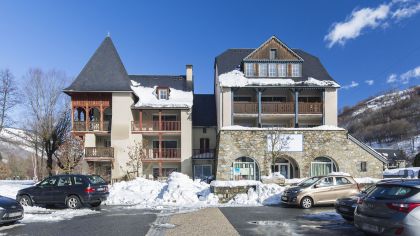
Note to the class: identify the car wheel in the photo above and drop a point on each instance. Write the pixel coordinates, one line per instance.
(96, 204)
(306, 202)
(73, 202)
(25, 200)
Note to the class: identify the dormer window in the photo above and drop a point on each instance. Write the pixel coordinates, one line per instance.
(163, 93)
(273, 54)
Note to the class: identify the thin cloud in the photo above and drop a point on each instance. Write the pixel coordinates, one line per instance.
(363, 19)
(369, 82)
(353, 84)
(406, 77)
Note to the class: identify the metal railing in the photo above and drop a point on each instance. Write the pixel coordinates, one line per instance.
(156, 126)
(99, 152)
(203, 153)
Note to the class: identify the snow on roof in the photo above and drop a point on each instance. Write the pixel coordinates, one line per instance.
(148, 97)
(397, 171)
(322, 127)
(236, 78)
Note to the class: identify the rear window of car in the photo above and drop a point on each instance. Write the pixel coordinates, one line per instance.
(94, 179)
(392, 192)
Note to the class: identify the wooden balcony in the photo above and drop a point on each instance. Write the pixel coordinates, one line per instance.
(99, 153)
(153, 126)
(277, 108)
(92, 126)
(203, 153)
(163, 154)
(310, 108)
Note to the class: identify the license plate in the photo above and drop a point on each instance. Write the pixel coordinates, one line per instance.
(372, 228)
(100, 189)
(284, 198)
(15, 214)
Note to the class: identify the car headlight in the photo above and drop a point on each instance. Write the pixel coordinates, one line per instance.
(1, 208)
(296, 191)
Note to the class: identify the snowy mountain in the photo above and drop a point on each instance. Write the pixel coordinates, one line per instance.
(15, 141)
(391, 119)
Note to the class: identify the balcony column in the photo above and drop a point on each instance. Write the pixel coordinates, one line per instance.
(160, 169)
(101, 119)
(296, 108)
(323, 106)
(72, 117)
(160, 120)
(259, 91)
(87, 118)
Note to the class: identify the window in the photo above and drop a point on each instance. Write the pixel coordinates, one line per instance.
(245, 168)
(96, 179)
(64, 181)
(241, 99)
(295, 70)
(163, 94)
(77, 180)
(272, 70)
(204, 145)
(309, 99)
(363, 166)
(323, 166)
(273, 99)
(326, 182)
(282, 70)
(262, 70)
(273, 54)
(249, 69)
(165, 172)
(341, 181)
(49, 182)
(202, 171)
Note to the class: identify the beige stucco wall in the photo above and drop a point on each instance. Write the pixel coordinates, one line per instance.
(330, 107)
(211, 134)
(186, 142)
(226, 104)
(90, 140)
(121, 131)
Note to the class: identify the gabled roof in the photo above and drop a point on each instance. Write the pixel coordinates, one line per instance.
(279, 42)
(172, 81)
(391, 154)
(204, 110)
(232, 59)
(103, 72)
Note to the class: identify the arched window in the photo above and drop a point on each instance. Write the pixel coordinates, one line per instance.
(323, 166)
(245, 168)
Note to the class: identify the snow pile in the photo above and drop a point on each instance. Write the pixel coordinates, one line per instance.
(234, 183)
(412, 172)
(236, 78)
(265, 194)
(319, 128)
(148, 97)
(366, 180)
(9, 188)
(38, 214)
(294, 181)
(339, 173)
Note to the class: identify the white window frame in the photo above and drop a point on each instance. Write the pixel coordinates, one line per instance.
(249, 69)
(295, 70)
(261, 70)
(273, 51)
(202, 165)
(272, 70)
(242, 164)
(282, 70)
(163, 94)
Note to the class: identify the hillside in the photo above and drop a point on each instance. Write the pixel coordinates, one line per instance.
(388, 120)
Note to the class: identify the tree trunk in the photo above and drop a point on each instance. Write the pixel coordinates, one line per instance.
(49, 164)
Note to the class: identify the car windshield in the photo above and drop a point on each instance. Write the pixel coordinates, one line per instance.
(308, 182)
(95, 179)
(392, 192)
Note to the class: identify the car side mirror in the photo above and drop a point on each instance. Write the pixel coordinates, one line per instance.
(316, 186)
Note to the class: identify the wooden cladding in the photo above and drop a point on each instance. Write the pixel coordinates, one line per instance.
(263, 53)
(163, 153)
(277, 107)
(137, 126)
(91, 99)
(99, 152)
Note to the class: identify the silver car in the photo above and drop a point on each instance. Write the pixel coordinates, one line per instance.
(392, 208)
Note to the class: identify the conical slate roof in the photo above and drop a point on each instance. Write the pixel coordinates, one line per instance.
(103, 72)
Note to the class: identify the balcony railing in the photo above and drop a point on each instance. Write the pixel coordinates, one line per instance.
(164, 153)
(277, 107)
(156, 126)
(203, 153)
(99, 152)
(310, 108)
(93, 126)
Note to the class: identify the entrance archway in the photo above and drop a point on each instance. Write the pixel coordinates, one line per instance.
(287, 166)
(323, 166)
(245, 168)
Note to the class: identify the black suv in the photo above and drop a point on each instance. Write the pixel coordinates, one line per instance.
(72, 190)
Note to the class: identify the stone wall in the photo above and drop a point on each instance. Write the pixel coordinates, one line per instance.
(333, 144)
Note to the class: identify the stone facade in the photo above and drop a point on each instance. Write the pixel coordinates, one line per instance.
(333, 144)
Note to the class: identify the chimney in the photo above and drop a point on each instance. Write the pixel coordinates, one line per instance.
(189, 75)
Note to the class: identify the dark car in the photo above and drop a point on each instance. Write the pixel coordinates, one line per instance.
(72, 190)
(10, 210)
(346, 206)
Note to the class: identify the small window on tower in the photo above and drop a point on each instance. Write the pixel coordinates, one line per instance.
(273, 54)
(163, 94)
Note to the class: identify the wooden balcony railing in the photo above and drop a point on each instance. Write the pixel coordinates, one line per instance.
(278, 107)
(203, 153)
(164, 153)
(245, 107)
(156, 126)
(310, 108)
(99, 152)
(93, 126)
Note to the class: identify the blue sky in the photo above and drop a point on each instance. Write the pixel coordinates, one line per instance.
(357, 41)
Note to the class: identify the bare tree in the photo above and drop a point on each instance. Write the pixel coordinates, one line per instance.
(277, 143)
(136, 155)
(70, 153)
(8, 96)
(46, 107)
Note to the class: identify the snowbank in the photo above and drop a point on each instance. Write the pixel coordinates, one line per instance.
(236, 78)
(265, 194)
(339, 173)
(39, 214)
(148, 97)
(320, 128)
(9, 188)
(400, 171)
(367, 180)
(234, 183)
